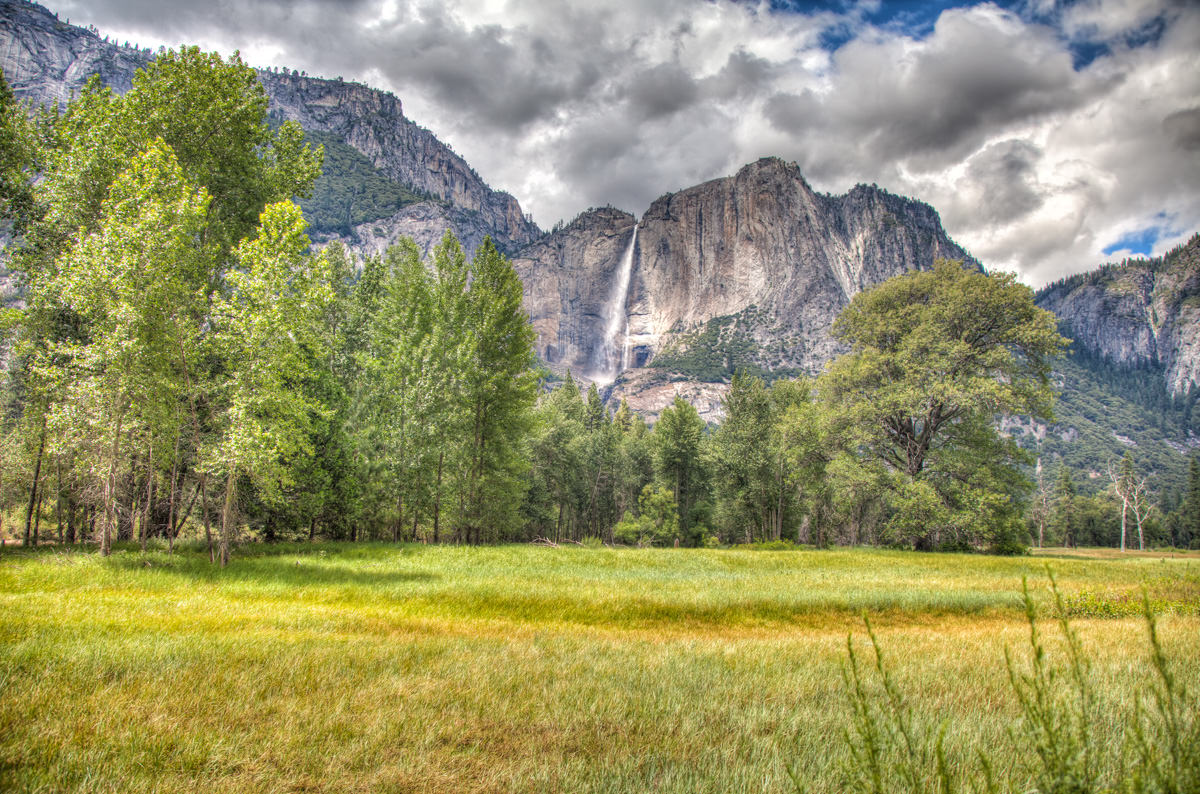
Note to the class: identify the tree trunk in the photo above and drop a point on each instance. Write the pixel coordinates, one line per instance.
(1124, 510)
(33, 486)
(37, 517)
(149, 495)
(207, 518)
(58, 503)
(227, 515)
(171, 498)
(437, 496)
(70, 520)
(399, 519)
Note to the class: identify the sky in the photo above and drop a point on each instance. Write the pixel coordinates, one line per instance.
(1051, 136)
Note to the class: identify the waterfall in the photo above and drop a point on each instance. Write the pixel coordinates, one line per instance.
(614, 349)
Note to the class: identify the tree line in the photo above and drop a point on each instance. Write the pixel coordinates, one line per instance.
(185, 364)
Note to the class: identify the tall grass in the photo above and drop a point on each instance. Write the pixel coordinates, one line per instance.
(1055, 736)
(384, 668)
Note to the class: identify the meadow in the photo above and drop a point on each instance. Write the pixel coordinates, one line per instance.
(367, 668)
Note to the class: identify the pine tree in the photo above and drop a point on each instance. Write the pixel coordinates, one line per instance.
(1190, 526)
(677, 451)
(1066, 519)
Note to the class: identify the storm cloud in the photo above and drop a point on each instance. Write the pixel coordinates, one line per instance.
(1043, 133)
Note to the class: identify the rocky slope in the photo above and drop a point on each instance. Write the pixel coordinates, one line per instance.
(45, 60)
(1142, 313)
(567, 277)
(749, 270)
(784, 260)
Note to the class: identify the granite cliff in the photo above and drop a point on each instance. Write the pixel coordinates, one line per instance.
(46, 60)
(1142, 313)
(747, 271)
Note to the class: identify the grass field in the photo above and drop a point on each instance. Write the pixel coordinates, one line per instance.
(521, 668)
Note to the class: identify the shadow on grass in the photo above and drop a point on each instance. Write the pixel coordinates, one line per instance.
(388, 572)
(284, 565)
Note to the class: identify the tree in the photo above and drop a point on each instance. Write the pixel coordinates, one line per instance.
(17, 158)
(1040, 510)
(935, 357)
(1190, 526)
(677, 461)
(136, 283)
(1139, 501)
(80, 225)
(269, 334)
(748, 490)
(399, 378)
(498, 389)
(1124, 483)
(1066, 520)
(656, 522)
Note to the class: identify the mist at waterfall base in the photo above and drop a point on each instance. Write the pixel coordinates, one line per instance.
(611, 358)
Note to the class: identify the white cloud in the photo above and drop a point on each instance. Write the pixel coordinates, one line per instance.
(1036, 163)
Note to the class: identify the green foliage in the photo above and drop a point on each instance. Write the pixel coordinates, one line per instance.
(350, 190)
(498, 389)
(892, 749)
(657, 524)
(677, 457)
(714, 353)
(127, 244)
(1058, 708)
(17, 159)
(268, 331)
(1098, 399)
(767, 460)
(935, 357)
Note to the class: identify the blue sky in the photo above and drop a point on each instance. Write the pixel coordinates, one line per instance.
(1050, 136)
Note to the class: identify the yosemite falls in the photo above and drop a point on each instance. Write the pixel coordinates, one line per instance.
(611, 360)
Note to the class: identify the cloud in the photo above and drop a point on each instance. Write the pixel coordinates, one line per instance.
(1042, 132)
(1182, 128)
(1003, 179)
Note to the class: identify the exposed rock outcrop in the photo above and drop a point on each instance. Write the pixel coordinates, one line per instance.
(46, 60)
(373, 122)
(762, 243)
(567, 277)
(1142, 313)
(760, 249)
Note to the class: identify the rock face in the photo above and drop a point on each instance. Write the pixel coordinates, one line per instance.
(46, 60)
(568, 277)
(373, 123)
(759, 249)
(763, 246)
(425, 223)
(1142, 313)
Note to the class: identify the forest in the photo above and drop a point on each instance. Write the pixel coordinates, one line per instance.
(185, 364)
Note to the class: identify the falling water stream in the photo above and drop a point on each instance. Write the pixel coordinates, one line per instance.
(614, 357)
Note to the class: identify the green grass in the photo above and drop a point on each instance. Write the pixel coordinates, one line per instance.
(381, 668)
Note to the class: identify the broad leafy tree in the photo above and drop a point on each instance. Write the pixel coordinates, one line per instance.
(935, 357)
(137, 284)
(270, 336)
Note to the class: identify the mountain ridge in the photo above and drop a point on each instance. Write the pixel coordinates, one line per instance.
(46, 61)
(747, 270)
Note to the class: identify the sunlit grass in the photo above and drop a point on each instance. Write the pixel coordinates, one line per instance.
(381, 668)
